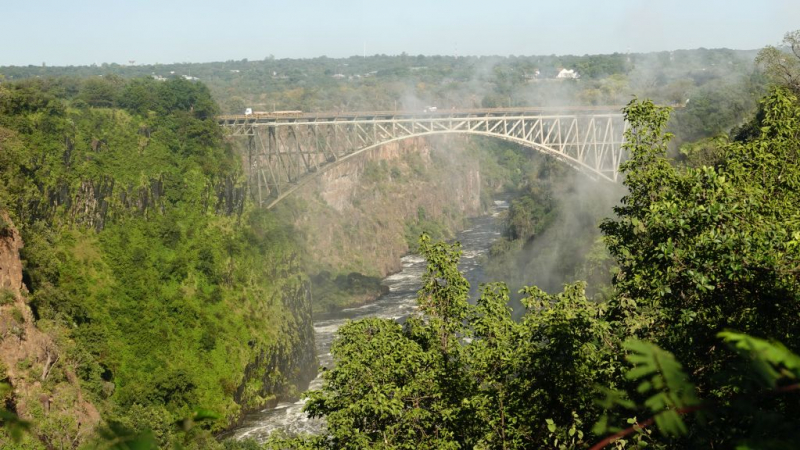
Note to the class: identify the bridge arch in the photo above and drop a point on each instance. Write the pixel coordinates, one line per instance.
(574, 163)
(287, 153)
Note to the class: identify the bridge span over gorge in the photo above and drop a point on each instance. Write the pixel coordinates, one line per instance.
(287, 149)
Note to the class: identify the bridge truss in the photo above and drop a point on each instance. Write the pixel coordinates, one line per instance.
(286, 152)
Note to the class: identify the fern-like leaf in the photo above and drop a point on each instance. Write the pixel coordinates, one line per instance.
(771, 360)
(663, 378)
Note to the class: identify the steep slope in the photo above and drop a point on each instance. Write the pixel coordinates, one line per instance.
(162, 288)
(44, 387)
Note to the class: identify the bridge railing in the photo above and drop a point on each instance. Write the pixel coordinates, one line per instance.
(348, 115)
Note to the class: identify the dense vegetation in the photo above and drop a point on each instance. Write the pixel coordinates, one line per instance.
(700, 251)
(707, 283)
(158, 281)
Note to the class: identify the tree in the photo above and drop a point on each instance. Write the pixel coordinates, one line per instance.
(705, 249)
(235, 105)
(101, 91)
(465, 376)
(783, 67)
(396, 385)
(668, 394)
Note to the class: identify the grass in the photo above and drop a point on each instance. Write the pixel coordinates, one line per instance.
(7, 296)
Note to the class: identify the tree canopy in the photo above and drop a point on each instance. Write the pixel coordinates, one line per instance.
(700, 251)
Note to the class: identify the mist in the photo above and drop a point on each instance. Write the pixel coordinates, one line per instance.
(558, 254)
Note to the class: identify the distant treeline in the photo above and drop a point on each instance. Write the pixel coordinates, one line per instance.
(717, 83)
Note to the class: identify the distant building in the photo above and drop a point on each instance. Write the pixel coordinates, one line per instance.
(532, 76)
(568, 74)
(338, 76)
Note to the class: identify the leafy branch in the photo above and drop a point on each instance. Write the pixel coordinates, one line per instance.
(673, 394)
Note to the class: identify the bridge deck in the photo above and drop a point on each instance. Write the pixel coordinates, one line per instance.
(292, 116)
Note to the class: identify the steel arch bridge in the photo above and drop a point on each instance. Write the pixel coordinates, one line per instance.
(289, 148)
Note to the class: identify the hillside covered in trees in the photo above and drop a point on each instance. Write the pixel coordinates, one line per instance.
(161, 289)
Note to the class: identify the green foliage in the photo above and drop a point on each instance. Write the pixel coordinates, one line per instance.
(461, 375)
(181, 434)
(662, 377)
(381, 82)
(334, 292)
(783, 67)
(713, 110)
(375, 171)
(704, 249)
(5, 228)
(7, 296)
(164, 288)
(701, 248)
(395, 397)
(525, 215)
(116, 437)
(9, 422)
(671, 396)
(706, 152)
(248, 444)
(435, 228)
(16, 314)
(773, 362)
(388, 377)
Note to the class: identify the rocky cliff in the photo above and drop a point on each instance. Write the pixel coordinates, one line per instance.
(43, 387)
(363, 215)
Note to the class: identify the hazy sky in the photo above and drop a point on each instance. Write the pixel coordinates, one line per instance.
(75, 32)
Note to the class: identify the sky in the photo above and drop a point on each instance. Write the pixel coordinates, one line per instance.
(82, 32)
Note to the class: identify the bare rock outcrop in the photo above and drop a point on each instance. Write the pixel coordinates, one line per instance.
(357, 211)
(29, 356)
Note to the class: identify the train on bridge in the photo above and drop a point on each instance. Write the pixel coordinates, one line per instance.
(429, 111)
(250, 113)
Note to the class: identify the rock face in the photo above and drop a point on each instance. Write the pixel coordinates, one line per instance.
(29, 356)
(10, 264)
(357, 214)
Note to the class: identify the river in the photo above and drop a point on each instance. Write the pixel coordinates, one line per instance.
(398, 303)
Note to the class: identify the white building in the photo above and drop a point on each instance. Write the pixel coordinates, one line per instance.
(568, 73)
